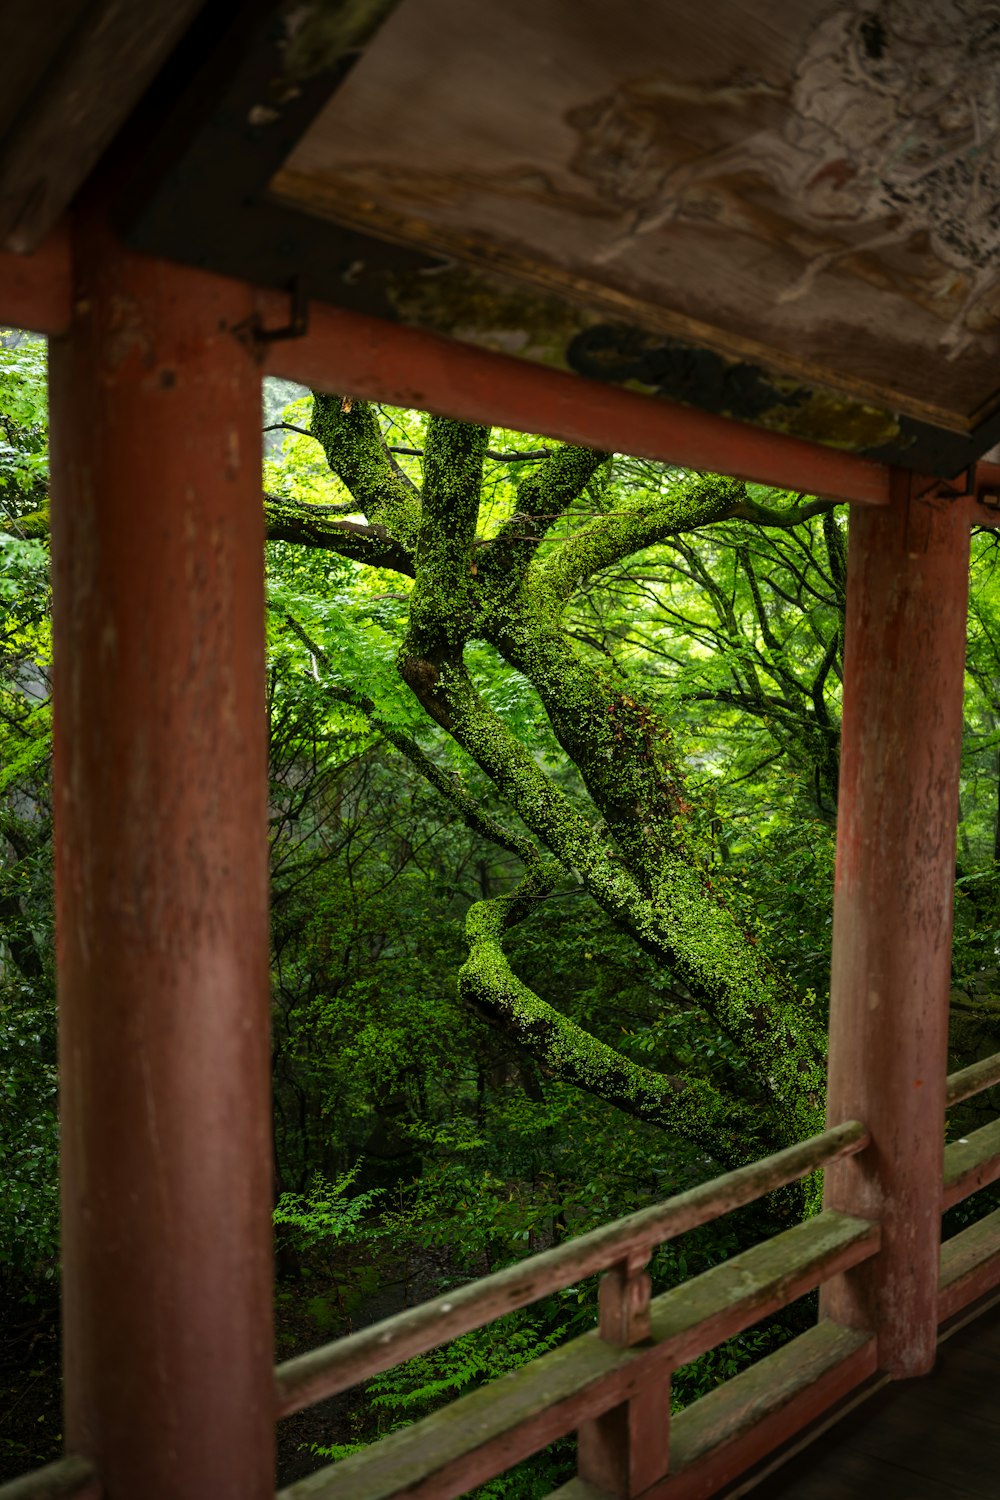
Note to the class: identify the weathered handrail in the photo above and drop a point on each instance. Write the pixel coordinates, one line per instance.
(67, 1479)
(721, 1429)
(490, 1429)
(335, 1367)
(973, 1080)
(970, 1164)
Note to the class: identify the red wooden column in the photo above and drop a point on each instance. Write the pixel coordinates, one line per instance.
(905, 656)
(160, 795)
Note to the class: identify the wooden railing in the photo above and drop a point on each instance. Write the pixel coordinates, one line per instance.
(970, 1260)
(612, 1385)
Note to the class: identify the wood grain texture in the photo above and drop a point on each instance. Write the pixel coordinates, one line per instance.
(732, 1409)
(937, 1438)
(493, 1428)
(749, 187)
(699, 1314)
(970, 1266)
(732, 1428)
(626, 1449)
(335, 1367)
(487, 1431)
(346, 351)
(891, 968)
(93, 76)
(971, 1163)
(161, 880)
(972, 1080)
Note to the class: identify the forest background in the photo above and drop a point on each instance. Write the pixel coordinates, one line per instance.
(554, 754)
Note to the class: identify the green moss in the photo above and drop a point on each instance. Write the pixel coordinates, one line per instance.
(352, 441)
(635, 855)
(487, 309)
(832, 418)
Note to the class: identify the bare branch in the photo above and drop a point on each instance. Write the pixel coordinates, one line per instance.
(311, 526)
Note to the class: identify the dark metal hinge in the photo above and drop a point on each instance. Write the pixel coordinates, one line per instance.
(253, 333)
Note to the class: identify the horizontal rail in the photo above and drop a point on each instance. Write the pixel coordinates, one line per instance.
(738, 1424)
(698, 1314)
(66, 1479)
(970, 1164)
(371, 357)
(337, 1366)
(349, 353)
(497, 1426)
(973, 1080)
(970, 1266)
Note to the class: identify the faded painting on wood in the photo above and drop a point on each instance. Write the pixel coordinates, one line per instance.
(812, 189)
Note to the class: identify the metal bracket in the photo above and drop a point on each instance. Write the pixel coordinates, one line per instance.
(252, 332)
(925, 496)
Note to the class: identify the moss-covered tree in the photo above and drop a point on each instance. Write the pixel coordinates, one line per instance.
(632, 841)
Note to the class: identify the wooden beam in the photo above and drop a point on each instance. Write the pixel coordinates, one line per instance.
(350, 354)
(35, 289)
(493, 1428)
(737, 1425)
(908, 569)
(970, 1164)
(968, 1082)
(160, 788)
(970, 1266)
(93, 81)
(693, 1317)
(627, 1449)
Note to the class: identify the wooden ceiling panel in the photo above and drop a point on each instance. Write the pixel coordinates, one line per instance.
(75, 72)
(27, 46)
(809, 189)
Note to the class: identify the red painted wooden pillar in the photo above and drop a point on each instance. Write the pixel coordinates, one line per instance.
(902, 723)
(160, 796)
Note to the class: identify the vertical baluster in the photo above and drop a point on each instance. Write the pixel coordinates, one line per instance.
(626, 1450)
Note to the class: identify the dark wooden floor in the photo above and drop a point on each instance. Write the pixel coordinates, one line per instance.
(932, 1439)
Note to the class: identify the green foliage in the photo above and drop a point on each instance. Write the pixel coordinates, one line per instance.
(325, 1213)
(29, 1216)
(23, 423)
(29, 1189)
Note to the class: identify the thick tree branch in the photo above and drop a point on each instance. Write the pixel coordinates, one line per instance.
(689, 1108)
(678, 921)
(541, 499)
(311, 526)
(444, 603)
(683, 506)
(763, 515)
(356, 452)
(639, 868)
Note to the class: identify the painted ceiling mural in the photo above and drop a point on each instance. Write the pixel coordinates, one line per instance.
(805, 189)
(891, 123)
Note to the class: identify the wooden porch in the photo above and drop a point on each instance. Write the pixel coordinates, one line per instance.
(918, 1440)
